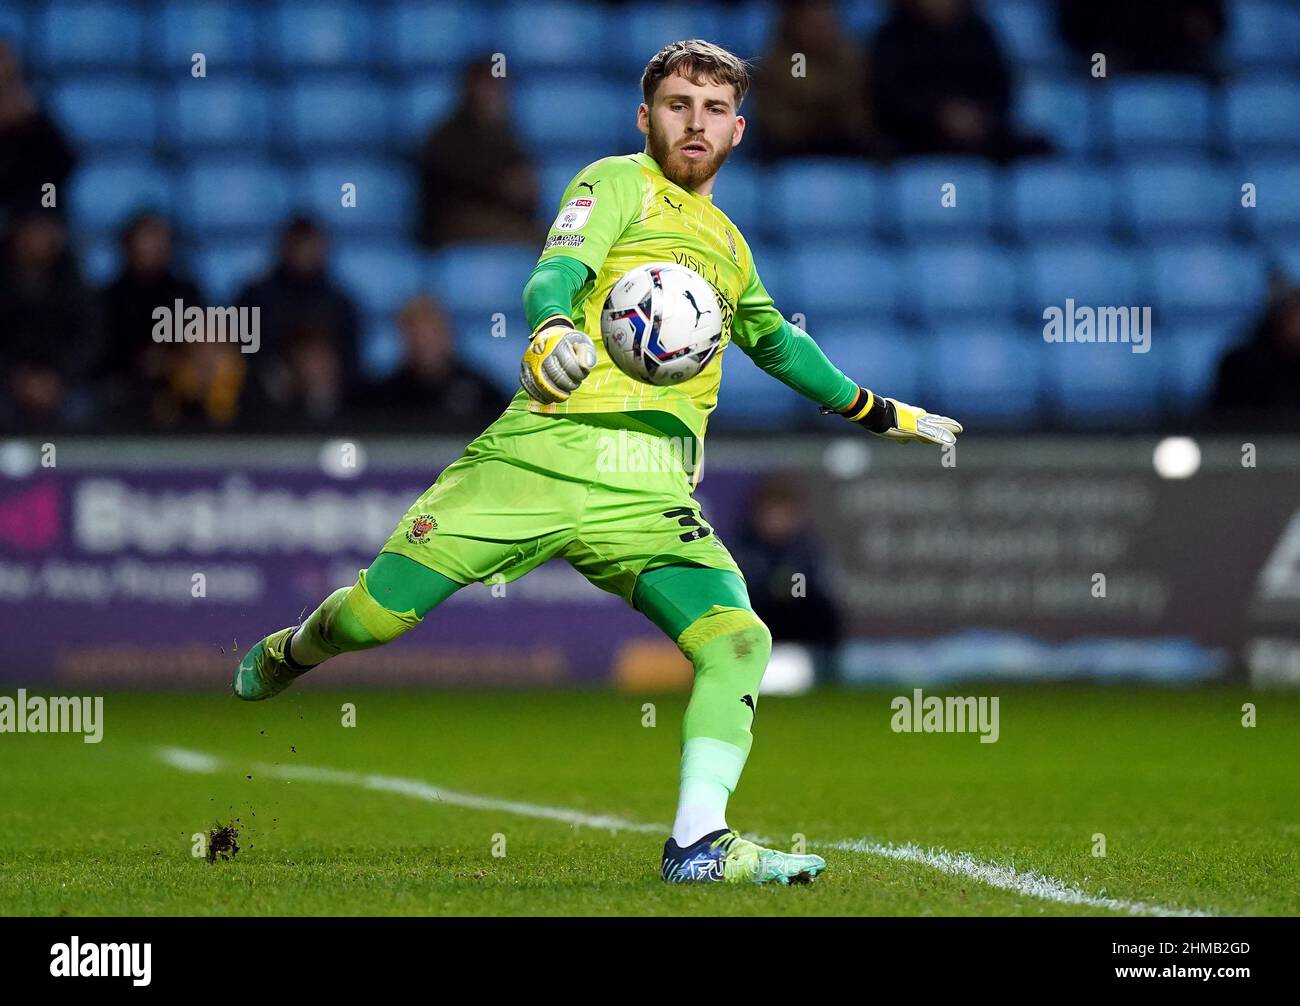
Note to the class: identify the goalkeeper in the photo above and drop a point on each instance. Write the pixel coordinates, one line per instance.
(533, 486)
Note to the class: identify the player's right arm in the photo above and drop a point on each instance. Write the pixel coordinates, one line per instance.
(595, 210)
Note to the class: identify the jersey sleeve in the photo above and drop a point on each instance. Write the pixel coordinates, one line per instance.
(756, 315)
(596, 208)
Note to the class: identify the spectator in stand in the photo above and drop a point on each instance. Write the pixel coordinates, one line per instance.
(32, 150)
(774, 545)
(308, 393)
(824, 111)
(49, 329)
(940, 84)
(477, 182)
(203, 388)
(1154, 36)
(432, 389)
(297, 293)
(1259, 381)
(131, 360)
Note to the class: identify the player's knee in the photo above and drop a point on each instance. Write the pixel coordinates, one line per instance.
(736, 634)
(361, 622)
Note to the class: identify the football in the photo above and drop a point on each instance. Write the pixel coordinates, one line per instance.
(661, 323)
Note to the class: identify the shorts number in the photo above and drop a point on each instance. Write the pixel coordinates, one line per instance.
(687, 518)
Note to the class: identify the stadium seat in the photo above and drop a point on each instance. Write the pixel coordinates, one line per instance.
(948, 281)
(606, 121)
(1263, 116)
(495, 357)
(846, 280)
(1157, 113)
(381, 275)
(381, 346)
(89, 33)
(420, 104)
(107, 191)
(317, 35)
(231, 113)
(645, 28)
(1091, 383)
(222, 269)
(1262, 33)
(227, 34)
(989, 373)
(750, 399)
(1060, 110)
(1026, 30)
(385, 195)
(896, 361)
(737, 195)
(440, 34)
(552, 34)
(822, 196)
(1190, 196)
(1096, 274)
(13, 23)
(222, 195)
(101, 259)
(1058, 197)
(1206, 281)
(335, 111)
(482, 279)
(112, 112)
(748, 29)
(918, 196)
(1276, 214)
(1195, 352)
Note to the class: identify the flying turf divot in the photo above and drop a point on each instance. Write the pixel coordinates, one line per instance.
(1029, 883)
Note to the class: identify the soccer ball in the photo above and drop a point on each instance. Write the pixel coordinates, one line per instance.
(661, 323)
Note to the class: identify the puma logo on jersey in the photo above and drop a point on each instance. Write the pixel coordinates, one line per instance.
(590, 186)
(676, 206)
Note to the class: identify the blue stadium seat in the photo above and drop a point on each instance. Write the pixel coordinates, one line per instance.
(748, 398)
(1164, 113)
(1095, 274)
(13, 23)
(226, 33)
(1277, 192)
(420, 104)
(234, 194)
(948, 281)
(482, 279)
(1061, 110)
(90, 33)
(605, 124)
(643, 29)
(737, 195)
(1263, 115)
(381, 346)
(223, 269)
(820, 196)
(850, 281)
(318, 35)
(1194, 355)
(1026, 30)
(334, 111)
(441, 34)
(553, 34)
(1165, 196)
(918, 195)
(231, 113)
(989, 373)
(1288, 258)
(101, 260)
(108, 112)
(896, 360)
(381, 275)
(1059, 197)
(385, 195)
(1206, 281)
(1092, 383)
(107, 191)
(748, 29)
(1262, 33)
(495, 357)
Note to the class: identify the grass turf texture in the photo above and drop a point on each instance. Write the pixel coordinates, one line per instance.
(1198, 812)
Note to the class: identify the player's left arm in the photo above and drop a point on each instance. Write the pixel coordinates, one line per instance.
(791, 356)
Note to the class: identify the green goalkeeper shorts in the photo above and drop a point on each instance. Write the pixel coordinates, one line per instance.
(601, 490)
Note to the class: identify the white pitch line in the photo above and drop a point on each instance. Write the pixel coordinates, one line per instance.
(1025, 882)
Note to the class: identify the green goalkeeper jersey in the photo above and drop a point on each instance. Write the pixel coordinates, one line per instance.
(621, 212)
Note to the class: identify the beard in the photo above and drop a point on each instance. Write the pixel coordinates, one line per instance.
(679, 169)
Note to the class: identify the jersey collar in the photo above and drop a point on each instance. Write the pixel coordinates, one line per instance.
(648, 162)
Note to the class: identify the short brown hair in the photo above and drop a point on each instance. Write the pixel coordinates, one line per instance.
(694, 59)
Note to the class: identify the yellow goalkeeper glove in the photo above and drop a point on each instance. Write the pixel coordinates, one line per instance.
(888, 417)
(556, 361)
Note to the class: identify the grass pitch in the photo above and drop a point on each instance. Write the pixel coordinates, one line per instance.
(1198, 812)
